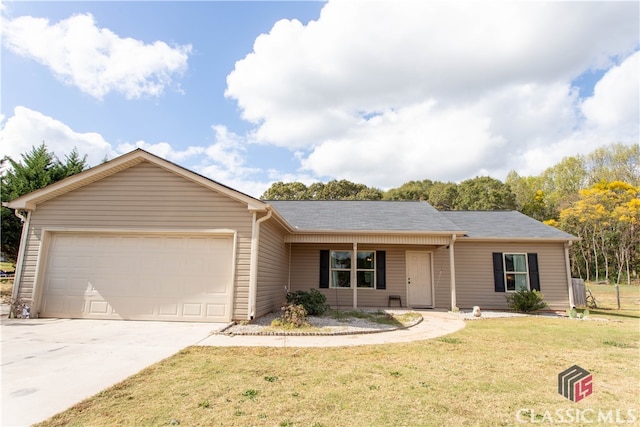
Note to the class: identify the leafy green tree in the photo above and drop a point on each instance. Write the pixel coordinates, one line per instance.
(484, 194)
(412, 190)
(616, 162)
(443, 196)
(343, 190)
(37, 169)
(332, 190)
(531, 200)
(561, 182)
(286, 191)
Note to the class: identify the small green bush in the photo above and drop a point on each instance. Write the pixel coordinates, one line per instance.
(313, 301)
(526, 301)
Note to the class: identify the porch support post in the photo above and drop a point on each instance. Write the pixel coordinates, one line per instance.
(567, 263)
(452, 269)
(354, 274)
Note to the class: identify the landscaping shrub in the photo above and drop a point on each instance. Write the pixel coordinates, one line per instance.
(293, 316)
(313, 301)
(526, 301)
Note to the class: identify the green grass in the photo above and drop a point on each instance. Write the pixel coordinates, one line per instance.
(607, 304)
(7, 266)
(6, 284)
(482, 375)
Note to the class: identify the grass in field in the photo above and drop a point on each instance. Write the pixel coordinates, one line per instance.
(6, 284)
(482, 375)
(607, 302)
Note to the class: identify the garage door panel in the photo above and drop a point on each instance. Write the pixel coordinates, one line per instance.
(139, 277)
(216, 310)
(191, 310)
(99, 307)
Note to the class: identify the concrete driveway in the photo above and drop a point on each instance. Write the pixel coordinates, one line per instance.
(50, 364)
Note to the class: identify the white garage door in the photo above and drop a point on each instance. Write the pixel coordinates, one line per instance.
(138, 277)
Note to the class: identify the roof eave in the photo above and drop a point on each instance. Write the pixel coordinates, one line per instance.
(519, 239)
(383, 232)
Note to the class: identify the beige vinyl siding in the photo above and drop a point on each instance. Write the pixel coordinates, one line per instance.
(474, 273)
(305, 274)
(273, 260)
(441, 279)
(144, 197)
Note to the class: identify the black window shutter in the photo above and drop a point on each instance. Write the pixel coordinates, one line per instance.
(498, 272)
(534, 276)
(324, 269)
(381, 270)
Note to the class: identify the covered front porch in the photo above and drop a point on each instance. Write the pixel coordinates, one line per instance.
(375, 271)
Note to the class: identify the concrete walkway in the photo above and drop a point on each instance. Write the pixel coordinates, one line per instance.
(434, 324)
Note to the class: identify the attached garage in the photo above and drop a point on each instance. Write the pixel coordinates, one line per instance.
(138, 276)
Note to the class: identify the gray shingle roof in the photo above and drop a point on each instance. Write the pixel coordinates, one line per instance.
(347, 215)
(503, 224)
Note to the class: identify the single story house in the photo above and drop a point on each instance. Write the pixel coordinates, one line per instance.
(142, 238)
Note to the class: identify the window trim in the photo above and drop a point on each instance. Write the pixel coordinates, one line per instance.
(506, 272)
(375, 271)
(333, 269)
(369, 270)
(533, 270)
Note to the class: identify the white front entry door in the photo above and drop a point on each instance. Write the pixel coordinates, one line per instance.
(419, 283)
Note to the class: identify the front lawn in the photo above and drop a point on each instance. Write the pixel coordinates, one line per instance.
(493, 372)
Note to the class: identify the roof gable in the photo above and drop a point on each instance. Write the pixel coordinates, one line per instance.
(31, 200)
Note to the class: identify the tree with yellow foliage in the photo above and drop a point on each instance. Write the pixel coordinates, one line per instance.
(605, 217)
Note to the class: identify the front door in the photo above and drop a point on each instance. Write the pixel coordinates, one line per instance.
(419, 279)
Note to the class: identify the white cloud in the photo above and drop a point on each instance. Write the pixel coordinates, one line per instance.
(28, 128)
(95, 59)
(384, 92)
(223, 161)
(162, 149)
(614, 103)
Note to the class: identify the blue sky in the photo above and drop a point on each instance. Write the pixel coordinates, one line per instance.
(380, 93)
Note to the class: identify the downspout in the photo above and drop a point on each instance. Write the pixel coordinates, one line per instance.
(26, 221)
(452, 268)
(567, 245)
(253, 266)
(354, 274)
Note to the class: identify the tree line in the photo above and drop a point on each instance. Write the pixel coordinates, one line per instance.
(593, 196)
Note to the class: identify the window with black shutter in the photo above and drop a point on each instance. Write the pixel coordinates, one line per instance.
(513, 272)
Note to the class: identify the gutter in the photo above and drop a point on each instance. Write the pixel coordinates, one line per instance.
(253, 267)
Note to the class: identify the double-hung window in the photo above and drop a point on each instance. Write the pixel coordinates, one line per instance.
(341, 265)
(516, 273)
(513, 272)
(341, 269)
(366, 272)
